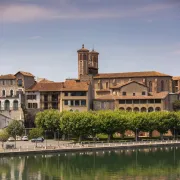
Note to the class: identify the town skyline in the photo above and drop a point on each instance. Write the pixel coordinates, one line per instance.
(141, 36)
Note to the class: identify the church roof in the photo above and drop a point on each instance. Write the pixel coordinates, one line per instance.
(131, 75)
(83, 49)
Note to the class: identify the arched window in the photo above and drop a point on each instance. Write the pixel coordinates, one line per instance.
(6, 105)
(162, 85)
(150, 109)
(150, 86)
(136, 109)
(15, 105)
(129, 109)
(143, 109)
(157, 109)
(11, 93)
(3, 93)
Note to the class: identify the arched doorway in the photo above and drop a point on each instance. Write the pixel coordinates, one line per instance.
(143, 109)
(15, 105)
(150, 109)
(121, 109)
(157, 109)
(128, 109)
(136, 109)
(6, 105)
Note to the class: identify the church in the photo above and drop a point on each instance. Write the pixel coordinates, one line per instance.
(131, 91)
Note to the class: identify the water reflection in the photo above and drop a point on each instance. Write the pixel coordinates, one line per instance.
(157, 163)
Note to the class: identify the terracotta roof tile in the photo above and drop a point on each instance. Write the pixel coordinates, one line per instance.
(103, 90)
(124, 84)
(46, 87)
(131, 74)
(25, 73)
(60, 86)
(45, 81)
(71, 85)
(176, 78)
(161, 95)
(8, 77)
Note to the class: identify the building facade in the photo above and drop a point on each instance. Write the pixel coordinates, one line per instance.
(12, 93)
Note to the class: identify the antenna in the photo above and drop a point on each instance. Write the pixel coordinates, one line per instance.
(93, 47)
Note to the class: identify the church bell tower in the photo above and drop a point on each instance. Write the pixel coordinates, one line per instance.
(83, 56)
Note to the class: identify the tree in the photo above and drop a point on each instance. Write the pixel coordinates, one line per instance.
(78, 123)
(48, 120)
(162, 122)
(14, 129)
(3, 136)
(35, 133)
(176, 105)
(108, 122)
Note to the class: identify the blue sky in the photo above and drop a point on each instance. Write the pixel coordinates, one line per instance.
(43, 36)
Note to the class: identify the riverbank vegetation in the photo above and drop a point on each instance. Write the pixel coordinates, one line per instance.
(92, 123)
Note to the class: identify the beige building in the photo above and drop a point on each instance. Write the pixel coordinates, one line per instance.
(70, 95)
(132, 91)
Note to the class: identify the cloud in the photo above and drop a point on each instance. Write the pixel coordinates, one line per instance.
(28, 12)
(24, 13)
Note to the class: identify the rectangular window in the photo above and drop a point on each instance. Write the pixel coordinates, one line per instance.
(66, 102)
(143, 93)
(134, 94)
(31, 97)
(143, 101)
(30, 105)
(54, 97)
(122, 101)
(35, 106)
(83, 93)
(157, 101)
(11, 82)
(77, 103)
(151, 101)
(106, 85)
(128, 101)
(3, 82)
(72, 103)
(83, 102)
(45, 105)
(19, 82)
(136, 101)
(45, 97)
(124, 93)
(66, 94)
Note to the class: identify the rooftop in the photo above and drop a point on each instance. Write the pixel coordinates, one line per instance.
(131, 75)
(7, 77)
(25, 73)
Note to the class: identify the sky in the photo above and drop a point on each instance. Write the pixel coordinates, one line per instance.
(43, 36)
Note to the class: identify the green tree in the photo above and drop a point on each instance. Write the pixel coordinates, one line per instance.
(176, 105)
(162, 122)
(3, 136)
(15, 128)
(48, 120)
(35, 133)
(108, 123)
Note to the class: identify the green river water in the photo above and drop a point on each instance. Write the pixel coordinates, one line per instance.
(153, 163)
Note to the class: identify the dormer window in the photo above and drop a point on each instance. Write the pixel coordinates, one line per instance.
(19, 82)
(124, 93)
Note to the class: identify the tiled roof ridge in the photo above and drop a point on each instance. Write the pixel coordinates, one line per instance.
(131, 74)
